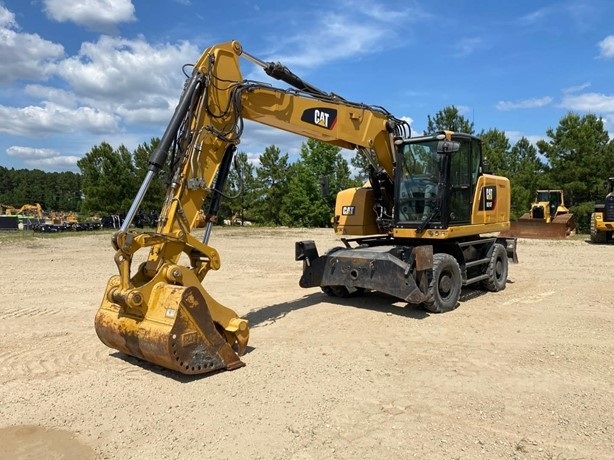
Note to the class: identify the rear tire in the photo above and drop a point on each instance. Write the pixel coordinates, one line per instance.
(445, 286)
(497, 269)
(340, 291)
(335, 291)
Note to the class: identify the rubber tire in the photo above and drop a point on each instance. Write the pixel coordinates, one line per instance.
(335, 291)
(340, 291)
(497, 269)
(445, 285)
(597, 237)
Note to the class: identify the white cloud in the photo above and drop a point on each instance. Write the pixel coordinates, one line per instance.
(7, 18)
(352, 30)
(100, 15)
(31, 153)
(338, 37)
(589, 102)
(524, 104)
(51, 94)
(535, 17)
(24, 55)
(146, 115)
(59, 163)
(606, 47)
(112, 75)
(515, 136)
(50, 118)
(383, 12)
(466, 46)
(409, 120)
(577, 88)
(42, 158)
(108, 82)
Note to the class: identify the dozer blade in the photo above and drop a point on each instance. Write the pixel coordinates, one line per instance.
(538, 229)
(177, 332)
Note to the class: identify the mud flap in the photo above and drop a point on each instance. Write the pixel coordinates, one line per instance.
(177, 332)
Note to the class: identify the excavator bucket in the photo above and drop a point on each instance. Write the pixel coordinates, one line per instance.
(176, 332)
(561, 227)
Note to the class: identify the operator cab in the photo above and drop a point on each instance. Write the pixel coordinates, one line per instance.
(436, 177)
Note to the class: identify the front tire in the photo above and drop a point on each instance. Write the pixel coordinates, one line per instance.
(497, 269)
(445, 286)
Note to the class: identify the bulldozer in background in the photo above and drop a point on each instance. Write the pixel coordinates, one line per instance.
(602, 220)
(548, 218)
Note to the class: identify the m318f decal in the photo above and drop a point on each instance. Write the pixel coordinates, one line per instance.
(489, 198)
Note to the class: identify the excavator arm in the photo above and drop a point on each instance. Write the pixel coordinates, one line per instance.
(161, 311)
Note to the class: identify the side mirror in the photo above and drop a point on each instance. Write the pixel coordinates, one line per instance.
(444, 147)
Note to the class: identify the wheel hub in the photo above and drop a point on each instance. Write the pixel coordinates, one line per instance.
(445, 284)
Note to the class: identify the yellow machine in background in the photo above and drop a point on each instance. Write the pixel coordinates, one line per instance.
(602, 220)
(548, 218)
(7, 210)
(30, 210)
(414, 233)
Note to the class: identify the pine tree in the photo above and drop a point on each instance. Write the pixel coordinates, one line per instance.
(449, 118)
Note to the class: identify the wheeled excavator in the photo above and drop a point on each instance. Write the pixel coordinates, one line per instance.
(414, 232)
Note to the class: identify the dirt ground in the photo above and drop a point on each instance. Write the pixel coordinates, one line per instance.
(520, 374)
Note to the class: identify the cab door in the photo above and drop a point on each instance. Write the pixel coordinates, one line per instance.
(464, 169)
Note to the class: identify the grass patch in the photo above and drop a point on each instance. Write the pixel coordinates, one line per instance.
(29, 237)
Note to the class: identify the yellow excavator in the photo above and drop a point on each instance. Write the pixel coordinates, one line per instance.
(413, 233)
(34, 210)
(602, 220)
(548, 218)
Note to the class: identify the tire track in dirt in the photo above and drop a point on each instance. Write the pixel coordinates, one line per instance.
(27, 312)
(54, 354)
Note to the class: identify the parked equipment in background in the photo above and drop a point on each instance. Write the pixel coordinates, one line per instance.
(548, 218)
(602, 220)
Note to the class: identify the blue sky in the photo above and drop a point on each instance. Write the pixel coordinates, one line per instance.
(75, 73)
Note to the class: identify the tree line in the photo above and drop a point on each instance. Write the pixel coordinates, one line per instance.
(53, 191)
(577, 156)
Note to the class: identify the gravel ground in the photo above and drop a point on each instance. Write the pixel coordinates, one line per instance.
(526, 373)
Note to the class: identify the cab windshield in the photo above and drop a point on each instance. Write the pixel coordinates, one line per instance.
(548, 196)
(419, 185)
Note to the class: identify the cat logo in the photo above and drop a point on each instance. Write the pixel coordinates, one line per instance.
(489, 198)
(348, 210)
(322, 117)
